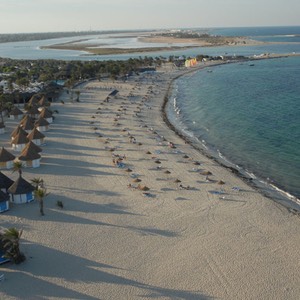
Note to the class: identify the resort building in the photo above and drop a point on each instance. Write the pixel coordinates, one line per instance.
(29, 157)
(36, 137)
(4, 202)
(43, 102)
(33, 112)
(16, 132)
(19, 142)
(16, 114)
(5, 182)
(46, 114)
(41, 124)
(6, 159)
(21, 191)
(34, 100)
(27, 123)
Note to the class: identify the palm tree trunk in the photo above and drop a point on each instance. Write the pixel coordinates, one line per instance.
(42, 207)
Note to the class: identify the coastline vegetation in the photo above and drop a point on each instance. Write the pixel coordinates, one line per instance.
(19, 37)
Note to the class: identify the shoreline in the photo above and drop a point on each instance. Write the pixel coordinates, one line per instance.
(218, 41)
(271, 191)
(193, 239)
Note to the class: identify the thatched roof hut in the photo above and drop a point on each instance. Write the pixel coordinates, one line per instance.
(4, 202)
(29, 156)
(27, 123)
(41, 124)
(43, 102)
(21, 191)
(16, 113)
(5, 182)
(36, 137)
(16, 131)
(46, 114)
(33, 112)
(34, 100)
(19, 141)
(6, 159)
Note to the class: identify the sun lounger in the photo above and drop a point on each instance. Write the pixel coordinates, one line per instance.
(235, 188)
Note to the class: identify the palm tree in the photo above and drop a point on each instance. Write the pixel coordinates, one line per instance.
(11, 245)
(40, 194)
(77, 95)
(17, 167)
(38, 182)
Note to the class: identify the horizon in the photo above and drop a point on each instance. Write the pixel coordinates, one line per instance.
(147, 29)
(115, 15)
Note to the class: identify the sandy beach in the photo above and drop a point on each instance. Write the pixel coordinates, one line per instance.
(185, 237)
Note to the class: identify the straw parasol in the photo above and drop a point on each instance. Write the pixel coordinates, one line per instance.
(136, 180)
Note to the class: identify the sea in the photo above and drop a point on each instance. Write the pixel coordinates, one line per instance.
(246, 115)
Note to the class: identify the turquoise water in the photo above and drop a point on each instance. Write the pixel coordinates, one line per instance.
(249, 115)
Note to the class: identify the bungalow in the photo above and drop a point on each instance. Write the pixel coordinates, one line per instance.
(43, 102)
(29, 156)
(6, 159)
(41, 124)
(5, 182)
(16, 114)
(33, 112)
(34, 100)
(27, 123)
(16, 131)
(46, 114)
(21, 191)
(4, 202)
(36, 137)
(19, 141)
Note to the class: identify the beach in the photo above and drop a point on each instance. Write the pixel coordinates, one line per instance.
(178, 233)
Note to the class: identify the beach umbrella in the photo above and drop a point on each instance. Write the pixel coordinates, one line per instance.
(167, 172)
(206, 173)
(177, 180)
(136, 180)
(143, 188)
(221, 182)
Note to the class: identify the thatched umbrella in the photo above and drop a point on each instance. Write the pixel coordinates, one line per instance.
(148, 152)
(136, 180)
(221, 182)
(177, 180)
(143, 188)
(206, 173)
(167, 172)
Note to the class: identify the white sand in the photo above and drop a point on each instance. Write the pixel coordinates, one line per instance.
(112, 242)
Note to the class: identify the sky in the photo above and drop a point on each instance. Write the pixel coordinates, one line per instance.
(20, 16)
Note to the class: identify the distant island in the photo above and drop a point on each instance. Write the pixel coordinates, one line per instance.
(21, 37)
(175, 40)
